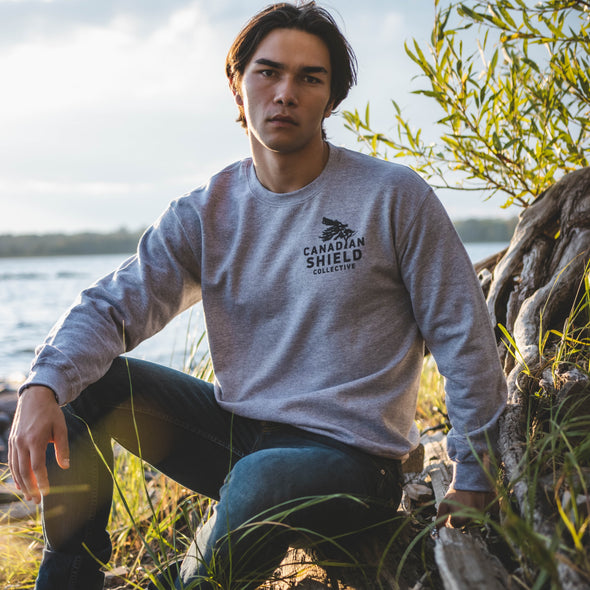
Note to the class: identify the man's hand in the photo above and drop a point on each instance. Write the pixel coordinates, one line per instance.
(459, 503)
(37, 422)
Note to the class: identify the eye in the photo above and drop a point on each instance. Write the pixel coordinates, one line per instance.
(311, 80)
(267, 73)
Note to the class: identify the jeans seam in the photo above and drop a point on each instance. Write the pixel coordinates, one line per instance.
(94, 500)
(75, 572)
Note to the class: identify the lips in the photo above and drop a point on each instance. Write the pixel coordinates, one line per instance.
(283, 119)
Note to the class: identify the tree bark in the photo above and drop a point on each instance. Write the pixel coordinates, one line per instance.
(531, 290)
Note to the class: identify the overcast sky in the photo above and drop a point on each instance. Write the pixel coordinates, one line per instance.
(111, 108)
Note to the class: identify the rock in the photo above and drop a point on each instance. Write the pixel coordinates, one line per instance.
(8, 399)
(13, 506)
(415, 461)
(116, 576)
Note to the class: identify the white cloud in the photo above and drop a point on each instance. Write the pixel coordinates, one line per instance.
(51, 189)
(40, 206)
(95, 65)
(102, 111)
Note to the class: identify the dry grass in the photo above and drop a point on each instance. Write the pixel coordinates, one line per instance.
(431, 410)
(20, 553)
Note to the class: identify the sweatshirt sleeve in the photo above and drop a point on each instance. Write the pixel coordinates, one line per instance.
(122, 309)
(452, 315)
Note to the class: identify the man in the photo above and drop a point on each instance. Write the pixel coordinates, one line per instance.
(322, 274)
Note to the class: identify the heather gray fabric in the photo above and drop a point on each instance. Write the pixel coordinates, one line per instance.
(317, 304)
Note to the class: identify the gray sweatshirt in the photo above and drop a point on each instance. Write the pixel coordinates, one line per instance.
(317, 304)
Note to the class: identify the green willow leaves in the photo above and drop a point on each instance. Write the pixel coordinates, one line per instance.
(512, 80)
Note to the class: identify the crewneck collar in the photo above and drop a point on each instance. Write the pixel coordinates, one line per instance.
(303, 194)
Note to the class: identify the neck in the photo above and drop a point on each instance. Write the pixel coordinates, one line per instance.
(288, 172)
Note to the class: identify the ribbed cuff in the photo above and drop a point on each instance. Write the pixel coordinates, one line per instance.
(471, 476)
(26, 386)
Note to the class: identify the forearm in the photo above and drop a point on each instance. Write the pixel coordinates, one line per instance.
(452, 315)
(118, 312)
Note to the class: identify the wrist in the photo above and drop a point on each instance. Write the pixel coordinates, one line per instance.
(31, 388)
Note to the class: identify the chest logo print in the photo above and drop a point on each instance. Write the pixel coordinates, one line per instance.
(339, 249)
(336, 230)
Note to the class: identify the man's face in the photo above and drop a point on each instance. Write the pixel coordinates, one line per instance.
(285, 91)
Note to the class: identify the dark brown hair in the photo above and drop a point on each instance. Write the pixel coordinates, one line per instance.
(306, 17)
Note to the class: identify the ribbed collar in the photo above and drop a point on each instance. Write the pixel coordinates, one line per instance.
(309, 191)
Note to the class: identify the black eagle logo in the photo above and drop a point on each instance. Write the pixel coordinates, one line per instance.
(336, 230)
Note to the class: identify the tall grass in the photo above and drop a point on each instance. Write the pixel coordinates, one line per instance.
(431, 409)
(153, 519)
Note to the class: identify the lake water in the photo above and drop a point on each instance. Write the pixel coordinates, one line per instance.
(35, 291)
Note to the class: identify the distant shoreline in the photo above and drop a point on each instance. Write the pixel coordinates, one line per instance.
(124, 241)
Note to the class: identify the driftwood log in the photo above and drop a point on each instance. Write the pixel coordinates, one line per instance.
(531, 290)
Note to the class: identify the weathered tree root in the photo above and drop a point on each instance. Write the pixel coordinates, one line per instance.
(532, 289)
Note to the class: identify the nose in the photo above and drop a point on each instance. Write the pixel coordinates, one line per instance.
(286, 93)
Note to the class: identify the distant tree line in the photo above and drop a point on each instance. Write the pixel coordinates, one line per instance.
(124, 241)
(121, 241)
(486, 230)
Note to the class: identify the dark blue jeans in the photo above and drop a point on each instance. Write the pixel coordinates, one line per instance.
(273, 482)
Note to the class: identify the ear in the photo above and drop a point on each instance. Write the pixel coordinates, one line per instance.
(237, 96)
(328, 110)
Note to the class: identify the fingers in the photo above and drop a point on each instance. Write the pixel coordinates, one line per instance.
(38, 480)
(442, 516)
(13, 464)
(20, 466)
(18, 460)
(37, 422)
(28, 469)
(11, 453)
(60, 440)
(457, 521)
(448, 514)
